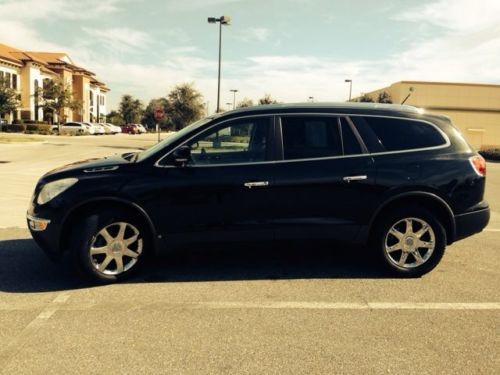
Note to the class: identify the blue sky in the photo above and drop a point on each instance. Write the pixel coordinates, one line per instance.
(291, 49)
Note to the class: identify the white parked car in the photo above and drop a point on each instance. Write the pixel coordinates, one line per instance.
(141, 128)
(98, 129)
(111, 129)
(73, 128)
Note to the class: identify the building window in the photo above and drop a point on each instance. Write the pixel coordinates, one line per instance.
(14, 81)
(91, 97)
(7, 79)
(36, 98)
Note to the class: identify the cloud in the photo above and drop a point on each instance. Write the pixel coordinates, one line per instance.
(29, 10)
(119, 39)
(259, 34)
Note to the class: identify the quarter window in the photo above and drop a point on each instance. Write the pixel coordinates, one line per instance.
(242, 141)
(392, 134)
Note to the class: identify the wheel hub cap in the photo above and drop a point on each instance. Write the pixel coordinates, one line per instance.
(409, 243)
(116, 248)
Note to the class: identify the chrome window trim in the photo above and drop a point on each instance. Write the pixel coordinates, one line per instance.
(443, 134)
(345, 115)
(210, 127)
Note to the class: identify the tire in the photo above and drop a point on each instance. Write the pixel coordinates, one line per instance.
(410, 242)
(108, 247)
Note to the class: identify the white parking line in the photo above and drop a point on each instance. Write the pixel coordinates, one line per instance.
(491, 230)
(8, 350)
(352, 306)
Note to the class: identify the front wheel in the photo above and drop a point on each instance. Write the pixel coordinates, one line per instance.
(410, 242)
(108, 248)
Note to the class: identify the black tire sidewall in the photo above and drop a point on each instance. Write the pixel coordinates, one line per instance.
(415, 212)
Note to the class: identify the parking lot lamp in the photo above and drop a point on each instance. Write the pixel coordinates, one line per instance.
(350, 87)
(234, 91)
(223, 20)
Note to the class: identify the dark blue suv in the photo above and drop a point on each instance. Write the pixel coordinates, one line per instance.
(403, 182)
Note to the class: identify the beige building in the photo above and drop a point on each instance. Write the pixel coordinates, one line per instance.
(473, 108)
(28, 71)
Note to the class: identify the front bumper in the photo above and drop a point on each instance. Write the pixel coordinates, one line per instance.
(470, 223)
(45, 234)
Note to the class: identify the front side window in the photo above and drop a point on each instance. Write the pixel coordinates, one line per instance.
(394, 134)
(241, 141)
(310, 137)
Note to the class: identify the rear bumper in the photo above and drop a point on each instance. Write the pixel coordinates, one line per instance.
(470, 223)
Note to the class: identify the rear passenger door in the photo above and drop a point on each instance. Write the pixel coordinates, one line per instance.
(324, 180)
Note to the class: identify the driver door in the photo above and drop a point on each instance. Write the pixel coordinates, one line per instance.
(223, 191)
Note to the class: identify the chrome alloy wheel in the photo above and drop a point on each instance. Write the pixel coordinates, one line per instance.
(409, 243)
(116, 248)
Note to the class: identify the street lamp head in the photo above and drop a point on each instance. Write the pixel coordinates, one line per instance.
(212, 20)
(348, 80)
(233, 90)
(225, 20)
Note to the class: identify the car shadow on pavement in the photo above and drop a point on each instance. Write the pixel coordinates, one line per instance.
(25, 269)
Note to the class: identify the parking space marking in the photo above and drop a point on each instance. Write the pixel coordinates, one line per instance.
(491, 230)
(7, 351)
(352, 306)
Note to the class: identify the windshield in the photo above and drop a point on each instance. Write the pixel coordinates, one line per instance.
(172, 138)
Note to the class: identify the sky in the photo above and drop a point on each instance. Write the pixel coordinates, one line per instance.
(290, 49)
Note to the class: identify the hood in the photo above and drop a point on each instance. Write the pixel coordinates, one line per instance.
(106, 164)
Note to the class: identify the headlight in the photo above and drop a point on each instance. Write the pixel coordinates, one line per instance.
(54, 188)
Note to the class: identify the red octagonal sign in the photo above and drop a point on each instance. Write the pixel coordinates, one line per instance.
(159, 114)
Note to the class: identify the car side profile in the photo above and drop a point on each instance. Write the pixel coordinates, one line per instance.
(402, 183)
(73, 128)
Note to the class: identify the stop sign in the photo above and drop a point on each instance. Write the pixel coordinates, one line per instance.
(159, 114)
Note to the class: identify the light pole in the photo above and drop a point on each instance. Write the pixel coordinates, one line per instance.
(311, 98)
(229, 105)
(223, 20)
(350, 87)
(234, 91)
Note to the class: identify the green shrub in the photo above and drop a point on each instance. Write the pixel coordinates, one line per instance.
(14, 128)
(38, 129)
(491, 154)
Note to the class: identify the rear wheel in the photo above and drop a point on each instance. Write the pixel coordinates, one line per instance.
(410, 242)
(109, 247)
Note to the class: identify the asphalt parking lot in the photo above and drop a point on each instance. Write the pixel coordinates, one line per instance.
(282, 309)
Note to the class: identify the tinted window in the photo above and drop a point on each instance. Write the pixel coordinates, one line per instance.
(390, 134)
(349, 141)
(310, 137)
(242, 141)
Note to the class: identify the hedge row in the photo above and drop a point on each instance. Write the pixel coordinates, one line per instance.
(491, 154)
(27, 128)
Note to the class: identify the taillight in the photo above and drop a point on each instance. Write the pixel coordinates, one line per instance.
(478, 164)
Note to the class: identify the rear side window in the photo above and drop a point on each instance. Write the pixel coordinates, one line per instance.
(391, 134)
(310, 137)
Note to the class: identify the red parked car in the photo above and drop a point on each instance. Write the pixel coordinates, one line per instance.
(130, 129)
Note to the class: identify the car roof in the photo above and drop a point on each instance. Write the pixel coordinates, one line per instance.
(342, 107)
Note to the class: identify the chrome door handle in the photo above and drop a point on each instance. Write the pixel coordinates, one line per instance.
(355, 178)
(256, 184)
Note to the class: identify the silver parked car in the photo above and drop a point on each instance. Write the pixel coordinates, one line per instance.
(73, 128)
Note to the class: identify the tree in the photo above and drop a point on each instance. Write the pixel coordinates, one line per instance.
(267, 99)
(365, 98)
(245, 102)
(9, 100)
(56, 96)
(130, 109)
(384, 97)
(115, 118)
(185, 105)
(148, 117)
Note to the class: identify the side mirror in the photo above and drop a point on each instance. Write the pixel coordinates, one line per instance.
(182, 155)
